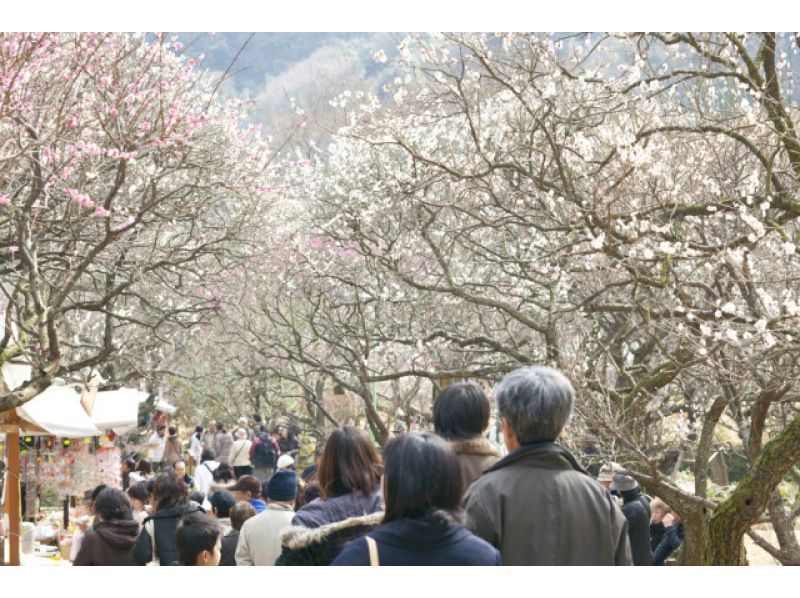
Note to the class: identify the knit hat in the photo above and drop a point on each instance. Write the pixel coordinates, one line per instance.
(622, 483)
(285, 462)
(282, 485)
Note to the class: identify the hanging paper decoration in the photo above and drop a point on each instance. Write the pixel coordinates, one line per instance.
(69, 470)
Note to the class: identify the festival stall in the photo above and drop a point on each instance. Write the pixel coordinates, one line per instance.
(55, 448)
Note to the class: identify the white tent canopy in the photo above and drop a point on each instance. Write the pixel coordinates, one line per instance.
(164, 407)
(16, 374)
(59, 411)
(117, 409)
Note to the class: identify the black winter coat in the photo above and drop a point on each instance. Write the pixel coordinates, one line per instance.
(638, 516)
(417, 542)
(670, 542)
(656, 534)
(288, 447)
(228, 556)
(321, 545)
(165, 522)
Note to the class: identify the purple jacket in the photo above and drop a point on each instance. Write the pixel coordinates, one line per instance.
(320, 511)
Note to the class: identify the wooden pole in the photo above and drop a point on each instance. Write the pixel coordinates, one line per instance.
(13, 502)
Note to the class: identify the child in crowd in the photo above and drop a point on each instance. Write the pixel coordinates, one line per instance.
(199, 540)
(240, 513)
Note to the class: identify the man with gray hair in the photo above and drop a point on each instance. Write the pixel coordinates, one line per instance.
(537, 505)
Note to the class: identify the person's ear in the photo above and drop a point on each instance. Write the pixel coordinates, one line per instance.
(509, 436)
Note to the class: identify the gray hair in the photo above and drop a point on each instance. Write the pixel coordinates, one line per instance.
(536, 402)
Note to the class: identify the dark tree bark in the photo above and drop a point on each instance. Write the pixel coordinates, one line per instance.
(735, 515)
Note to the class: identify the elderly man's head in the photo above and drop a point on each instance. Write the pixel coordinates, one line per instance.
(535, 404)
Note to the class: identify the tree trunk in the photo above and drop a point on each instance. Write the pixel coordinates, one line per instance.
(705, 444)
(379, 429)
(695, 525)
(693, 510)
(783, 525)
(734, 516)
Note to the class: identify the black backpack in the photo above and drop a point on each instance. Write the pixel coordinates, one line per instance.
(264, 455)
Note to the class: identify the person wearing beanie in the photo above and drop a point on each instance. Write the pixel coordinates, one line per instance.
(260, 536)
(248, 489)
(637, 511)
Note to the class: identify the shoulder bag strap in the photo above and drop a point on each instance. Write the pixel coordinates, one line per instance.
(372, 545)
(150, 526)
(239, 452)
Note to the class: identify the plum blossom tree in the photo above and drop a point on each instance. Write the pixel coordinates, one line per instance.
(124, 188)
(622, 207)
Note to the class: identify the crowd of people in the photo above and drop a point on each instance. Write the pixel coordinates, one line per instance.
(447, 497)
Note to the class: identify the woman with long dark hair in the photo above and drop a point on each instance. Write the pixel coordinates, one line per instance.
(288, 443)
(423, 488)
(170, 503)
(349, 477)
(350, 504)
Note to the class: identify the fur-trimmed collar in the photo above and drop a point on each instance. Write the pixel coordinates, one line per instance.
(297, 538)
(475, 446)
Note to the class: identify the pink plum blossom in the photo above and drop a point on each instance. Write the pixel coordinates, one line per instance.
(79, 198)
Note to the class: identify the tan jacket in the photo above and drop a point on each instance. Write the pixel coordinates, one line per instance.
(475, 456)
(260, 536)
(240, 453)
